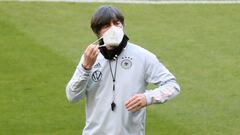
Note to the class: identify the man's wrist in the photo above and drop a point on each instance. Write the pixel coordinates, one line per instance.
(86, 67)
(148, 98)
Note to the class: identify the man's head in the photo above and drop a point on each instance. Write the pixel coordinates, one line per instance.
(107, 23)
(104, 18)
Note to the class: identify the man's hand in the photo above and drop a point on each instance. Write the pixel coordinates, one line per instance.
(136, 102)
(90, 56)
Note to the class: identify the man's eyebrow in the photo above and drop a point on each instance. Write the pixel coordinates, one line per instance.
(116, 20)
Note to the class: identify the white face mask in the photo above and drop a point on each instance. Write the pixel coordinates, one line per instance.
(113, 36)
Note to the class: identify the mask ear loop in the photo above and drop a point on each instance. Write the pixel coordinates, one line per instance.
(98, 41)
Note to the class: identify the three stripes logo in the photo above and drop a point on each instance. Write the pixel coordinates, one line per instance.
(98, 65)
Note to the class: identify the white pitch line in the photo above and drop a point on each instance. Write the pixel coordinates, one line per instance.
(141, 2)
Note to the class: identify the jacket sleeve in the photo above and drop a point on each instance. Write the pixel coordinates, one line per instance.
(76, 87)
(158, 74)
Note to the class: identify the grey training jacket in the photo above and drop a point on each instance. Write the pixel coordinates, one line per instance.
(136, 67)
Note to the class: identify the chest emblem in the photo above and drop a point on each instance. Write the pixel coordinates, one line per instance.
(126, 62)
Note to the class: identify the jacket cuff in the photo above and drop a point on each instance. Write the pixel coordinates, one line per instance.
(84, 73)
(148, 98)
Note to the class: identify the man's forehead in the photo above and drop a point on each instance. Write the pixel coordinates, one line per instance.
(112, 21)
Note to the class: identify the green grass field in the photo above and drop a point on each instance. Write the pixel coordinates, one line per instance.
(41, 43)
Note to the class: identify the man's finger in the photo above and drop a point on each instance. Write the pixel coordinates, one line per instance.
(136, 104)
(95, 54)
(91, 50)
(96, 50)
(136, 109)
(133, 103)
(130, 100)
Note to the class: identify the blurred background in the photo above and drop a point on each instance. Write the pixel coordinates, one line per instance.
(41, 44)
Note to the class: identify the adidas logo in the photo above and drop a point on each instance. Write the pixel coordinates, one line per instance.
(98, 65)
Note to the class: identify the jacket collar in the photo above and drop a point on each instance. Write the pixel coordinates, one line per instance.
(111, 54)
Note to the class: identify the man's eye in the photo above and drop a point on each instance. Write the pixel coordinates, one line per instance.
(106, 26)
(117, 23)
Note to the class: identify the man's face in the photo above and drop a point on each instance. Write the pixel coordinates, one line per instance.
(106, 27)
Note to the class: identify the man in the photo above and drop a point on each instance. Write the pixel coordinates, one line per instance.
(113, 76)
